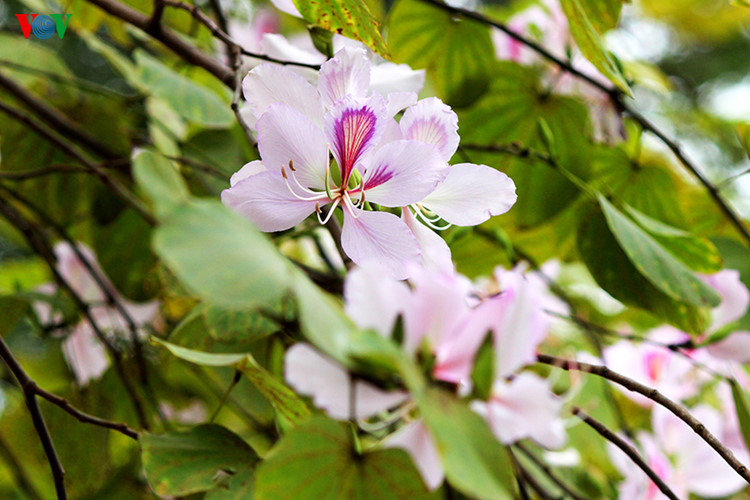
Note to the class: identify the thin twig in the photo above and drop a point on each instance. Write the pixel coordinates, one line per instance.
(677, 409)
(631, 452)
(548, 472)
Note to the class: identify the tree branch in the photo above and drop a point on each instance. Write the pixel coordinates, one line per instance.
(677, 409)
(548, 472)
(631, 452)
(618, 98)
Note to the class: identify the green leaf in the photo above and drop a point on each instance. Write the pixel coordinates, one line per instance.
(742, 409)
(220, 256)
(614, 272)
(282, 398)
(160, 180)
(699, 254)
(656, 264)
(350, 18)
(588, 39)
(12, 309)
(603, 14)
(456, 52)
(191, 100)
(474, 460)
(317, 461)
(200, 459)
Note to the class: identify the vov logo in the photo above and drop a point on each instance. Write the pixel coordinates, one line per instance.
(43, 26)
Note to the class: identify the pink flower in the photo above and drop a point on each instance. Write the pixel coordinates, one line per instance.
(86, 355)
(379, 161)
(735, 299)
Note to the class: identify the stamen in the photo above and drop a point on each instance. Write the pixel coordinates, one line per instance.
(350, 205)
(330, 212)
(431, 223)
(328, 172)
(291, 166)
(318, 196)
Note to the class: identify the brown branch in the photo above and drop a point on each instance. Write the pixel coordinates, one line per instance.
(71, 151)
(56, 168)
(677, 409)
(56, 119)
(631, 452)
(618, 98)
(28, 387)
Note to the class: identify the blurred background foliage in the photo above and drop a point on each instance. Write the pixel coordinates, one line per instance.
(687, 63)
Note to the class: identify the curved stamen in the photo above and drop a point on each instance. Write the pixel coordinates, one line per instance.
(330, 212)
(427, 214)
(328, 173)
(318, 196)
(350, 206)
(431, 223)
(296, 181)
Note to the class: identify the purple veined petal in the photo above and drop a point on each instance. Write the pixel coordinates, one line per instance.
(415, 439)
(287, 6)
(432, 122)
(284, 135)
(329, 384)
(524, 408)
(346, 74)
(436, 255)
(471, 194)
(387, 78)
(398, 101)
(379, 237)
(86, 356)
(354, 127)
(267, 84)
(735, 297)
(248, 170)
(265, 199)
(403, 172)
(373, 299)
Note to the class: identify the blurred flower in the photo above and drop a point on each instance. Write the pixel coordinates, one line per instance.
(735, 299)
(438, 319)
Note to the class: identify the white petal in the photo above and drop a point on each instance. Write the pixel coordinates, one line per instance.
(373, 299)
(403, 172)
(416, 440)
(247, 170)
(388, 77)
(432, 122)
(77, 274)
(284, 135)
(278, 47)
(329, 384)
(267, 202)
(471, 194)
(86, 356)
(735, 347)
(286, 6)
(436, 254)
(398, 101)
(347, 73)
(735, 297)
(267, 84)
(524, 408)
(379, 237)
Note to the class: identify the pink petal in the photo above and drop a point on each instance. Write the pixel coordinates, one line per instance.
(379, 237)
(278, 47)
(436, 255)
(267, 202)
(284, 135)
(354, 127)
(86, 356)
(388, 78)
(524, 408)
(286, 6)
(735, 297)
(347, 74)
(402, 172)
(416, 440)
(261, 89)
(735, 347)
(373, 299)
(77, 275)
(329, 384)
(247, 170)
(398, 101)
(432, 122)
(471, 194)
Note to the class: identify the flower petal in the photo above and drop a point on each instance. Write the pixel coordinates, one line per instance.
(398, 101)
(403, 172)
(379, 237)
(329, 384)
(286, 6)
(278, 47)
(267, 202)
(261, 89)
(347, 73)
(86, 356)
(77, 274)
(735, 297)
(247, 170)
(735, 347)
(436, 255)
(416, 440)
(524, 408)
(354, 127)
(373, 299)
(471, 194)
(432, 122)
(387, 78)
(284, 135)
